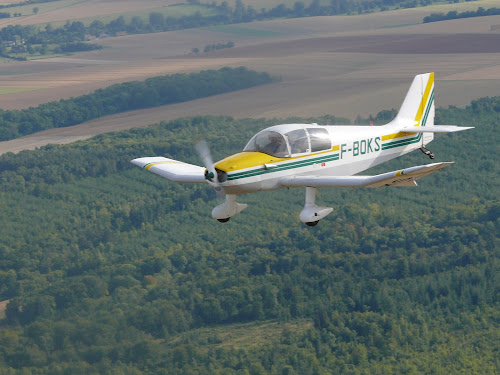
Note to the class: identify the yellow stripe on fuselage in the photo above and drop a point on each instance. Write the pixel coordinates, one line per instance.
(421, 108)
(248, 159)
(396, 135)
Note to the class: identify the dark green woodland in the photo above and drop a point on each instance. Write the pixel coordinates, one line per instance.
(127, 96)
(109, 269)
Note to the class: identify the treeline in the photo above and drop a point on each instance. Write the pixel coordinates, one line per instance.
(76, 31)
(76, 47)
(34, 40)
(452, 15)
(111, 269)
(18, 42)
(127, 96)
(243, 13)
(214, 47)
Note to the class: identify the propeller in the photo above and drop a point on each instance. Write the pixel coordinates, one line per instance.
(203, 150)
(228, 206)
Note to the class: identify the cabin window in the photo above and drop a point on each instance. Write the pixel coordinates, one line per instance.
(269, 142)
(298, 141)
(320, 139)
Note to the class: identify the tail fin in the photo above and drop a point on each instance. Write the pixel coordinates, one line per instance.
(416, 115)
(418, 107)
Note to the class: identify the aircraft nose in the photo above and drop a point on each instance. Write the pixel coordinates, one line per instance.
(221, 175)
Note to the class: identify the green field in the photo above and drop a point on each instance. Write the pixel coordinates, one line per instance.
(240, 336)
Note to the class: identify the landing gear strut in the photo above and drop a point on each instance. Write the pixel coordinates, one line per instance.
(230, 207)
(427, 152)
(312, 214)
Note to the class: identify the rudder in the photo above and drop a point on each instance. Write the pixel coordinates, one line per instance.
(418, 107)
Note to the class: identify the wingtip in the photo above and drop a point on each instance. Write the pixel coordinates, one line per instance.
(142, 162)
(139, 162)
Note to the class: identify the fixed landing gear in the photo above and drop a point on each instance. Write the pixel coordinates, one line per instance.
(312, 223)
(427, 152)
(312, 214)
(230, 207)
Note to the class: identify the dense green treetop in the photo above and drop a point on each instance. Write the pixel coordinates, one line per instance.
(110, 269)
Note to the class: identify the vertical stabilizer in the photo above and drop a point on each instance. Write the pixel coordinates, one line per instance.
(418, 106)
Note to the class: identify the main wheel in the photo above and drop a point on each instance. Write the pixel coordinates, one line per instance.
(312, 223)
(223, 220)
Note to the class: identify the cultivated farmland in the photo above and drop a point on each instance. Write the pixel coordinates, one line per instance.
(340, 65)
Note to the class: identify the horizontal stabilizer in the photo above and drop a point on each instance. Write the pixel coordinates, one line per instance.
(172, 169)
(435, 129)
(403, 177)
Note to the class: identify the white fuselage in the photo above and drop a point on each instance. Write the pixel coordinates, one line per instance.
(353, 150)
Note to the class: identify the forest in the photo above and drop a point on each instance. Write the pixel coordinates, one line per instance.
(153, 92)
(105, 268)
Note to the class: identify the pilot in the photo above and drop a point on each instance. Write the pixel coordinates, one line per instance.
(276, 145)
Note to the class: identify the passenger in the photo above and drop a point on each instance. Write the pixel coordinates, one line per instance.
(299, 146)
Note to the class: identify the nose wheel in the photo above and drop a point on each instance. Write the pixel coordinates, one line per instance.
(230, 207)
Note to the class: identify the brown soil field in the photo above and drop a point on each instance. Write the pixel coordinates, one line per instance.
(343, 66)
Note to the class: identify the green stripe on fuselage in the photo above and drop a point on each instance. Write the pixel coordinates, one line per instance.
(403, 142)
(282, 167)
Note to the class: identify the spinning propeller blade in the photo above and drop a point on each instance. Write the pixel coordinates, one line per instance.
(201, 147)
(203, 150)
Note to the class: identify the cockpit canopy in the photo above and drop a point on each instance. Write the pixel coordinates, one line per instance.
(283, 142)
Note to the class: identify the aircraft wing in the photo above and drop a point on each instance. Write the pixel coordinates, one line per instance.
(435, 129)
(172, 169)
(402, 177)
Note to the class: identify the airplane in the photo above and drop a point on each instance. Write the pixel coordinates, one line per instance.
(316, 156)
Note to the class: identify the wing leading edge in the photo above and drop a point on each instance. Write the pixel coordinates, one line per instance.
(172, 169)
(402, 177)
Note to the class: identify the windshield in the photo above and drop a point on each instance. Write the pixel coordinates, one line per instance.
(269, 142)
